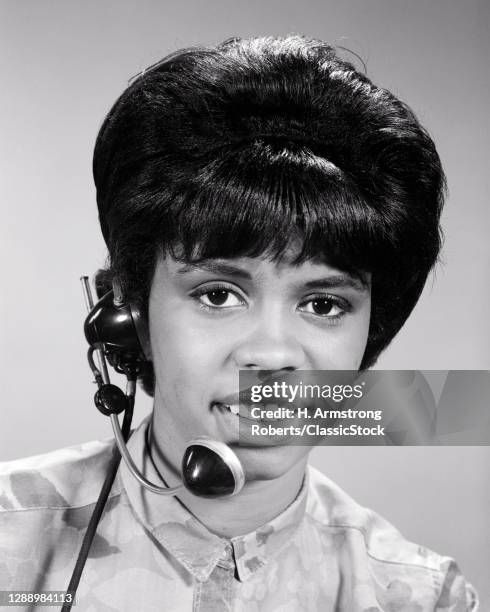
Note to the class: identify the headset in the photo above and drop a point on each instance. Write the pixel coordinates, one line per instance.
(117, 334)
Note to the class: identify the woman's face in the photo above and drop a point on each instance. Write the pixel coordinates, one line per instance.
(212, 319)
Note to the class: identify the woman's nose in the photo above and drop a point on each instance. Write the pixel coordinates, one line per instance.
(271, 345)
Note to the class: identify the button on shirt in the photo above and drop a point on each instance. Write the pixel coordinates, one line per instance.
(324, 552)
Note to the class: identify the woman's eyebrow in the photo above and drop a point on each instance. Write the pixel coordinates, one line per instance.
(215, 267)
(333, 281)
(339, 281)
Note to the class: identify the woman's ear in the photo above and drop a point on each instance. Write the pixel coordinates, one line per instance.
(103, 282)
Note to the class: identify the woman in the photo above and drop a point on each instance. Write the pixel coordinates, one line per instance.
(265, 207)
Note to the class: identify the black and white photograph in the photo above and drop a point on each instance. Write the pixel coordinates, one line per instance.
(245, 338)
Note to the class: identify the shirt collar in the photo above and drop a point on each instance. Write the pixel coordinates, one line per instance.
(187, 539)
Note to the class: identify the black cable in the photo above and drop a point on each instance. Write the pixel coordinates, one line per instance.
(98, 510)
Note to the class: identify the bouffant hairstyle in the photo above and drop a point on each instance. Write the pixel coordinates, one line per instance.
(243, 148)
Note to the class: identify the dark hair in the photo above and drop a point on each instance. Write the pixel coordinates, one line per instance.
(241, 149)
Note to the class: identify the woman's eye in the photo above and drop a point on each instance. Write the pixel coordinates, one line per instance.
(322, 307)
(219, 298)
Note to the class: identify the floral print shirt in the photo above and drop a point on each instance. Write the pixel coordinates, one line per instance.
(324, 552)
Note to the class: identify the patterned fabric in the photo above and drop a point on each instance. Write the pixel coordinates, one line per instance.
(324, 552)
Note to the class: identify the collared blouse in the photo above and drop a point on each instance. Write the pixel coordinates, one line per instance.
(324, 552)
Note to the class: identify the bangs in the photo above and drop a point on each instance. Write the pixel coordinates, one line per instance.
(265, 199)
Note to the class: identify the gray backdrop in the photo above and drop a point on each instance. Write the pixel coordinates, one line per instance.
(64, 63)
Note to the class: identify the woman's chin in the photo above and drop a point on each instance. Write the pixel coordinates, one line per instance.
(272, 462)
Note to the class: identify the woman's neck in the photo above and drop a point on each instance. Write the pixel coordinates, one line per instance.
(257, 503)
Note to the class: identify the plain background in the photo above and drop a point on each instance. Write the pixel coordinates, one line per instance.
(63, 63)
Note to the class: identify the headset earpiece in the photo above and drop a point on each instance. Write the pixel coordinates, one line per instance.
(141, 329)
(119, 327)
(113, 327)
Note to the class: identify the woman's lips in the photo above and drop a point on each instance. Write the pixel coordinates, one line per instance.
(239, 416)
(244, 411)
(232, 408)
